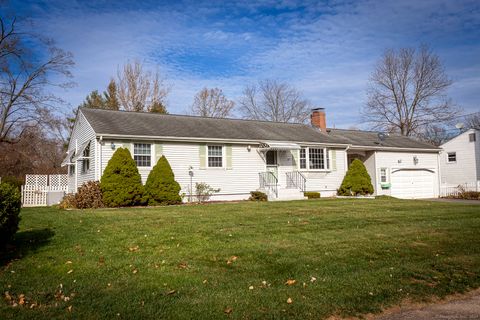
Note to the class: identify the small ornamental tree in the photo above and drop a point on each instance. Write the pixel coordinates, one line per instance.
(121, 183)
(357, 181)
(10, 204)
(161, 187)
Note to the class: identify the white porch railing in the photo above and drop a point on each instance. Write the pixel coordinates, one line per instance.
(453, 190)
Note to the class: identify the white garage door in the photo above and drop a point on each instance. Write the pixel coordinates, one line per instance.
(413, 184)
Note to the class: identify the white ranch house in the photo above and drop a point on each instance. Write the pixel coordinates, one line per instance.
(239, 156)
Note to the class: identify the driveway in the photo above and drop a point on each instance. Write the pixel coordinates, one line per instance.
(455, 308)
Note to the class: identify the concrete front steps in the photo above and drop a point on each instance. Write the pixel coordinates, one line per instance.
(285, 194)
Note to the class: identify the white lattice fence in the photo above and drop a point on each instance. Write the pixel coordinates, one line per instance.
(36, 189)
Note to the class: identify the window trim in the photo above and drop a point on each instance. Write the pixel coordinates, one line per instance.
(207, 156)
(143, 154)
(86, 158)
(326, 160)
(448, 157)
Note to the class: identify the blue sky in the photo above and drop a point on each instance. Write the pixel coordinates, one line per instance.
(326, 49)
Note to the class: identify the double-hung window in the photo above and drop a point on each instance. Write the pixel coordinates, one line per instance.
(472, 137)
(451, 157)
(383, 175)
(314, 159)
(215, 156)
(303, 158)
(142, 154)
(86, 159)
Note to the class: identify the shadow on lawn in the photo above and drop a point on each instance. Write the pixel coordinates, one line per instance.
(24, 243)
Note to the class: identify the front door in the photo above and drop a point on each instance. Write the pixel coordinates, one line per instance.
(271, 160)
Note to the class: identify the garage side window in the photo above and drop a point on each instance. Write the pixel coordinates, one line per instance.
(451, 157)
(383, 175)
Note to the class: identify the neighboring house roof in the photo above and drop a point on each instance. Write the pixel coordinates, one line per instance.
(468, 131)
(123, 123)
(371, 139)
(106, 122)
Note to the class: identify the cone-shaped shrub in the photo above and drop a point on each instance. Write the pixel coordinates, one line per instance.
(121, 183)
(357, 181)
(161, 187)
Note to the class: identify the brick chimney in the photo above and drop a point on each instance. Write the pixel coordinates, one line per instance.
(318, 119)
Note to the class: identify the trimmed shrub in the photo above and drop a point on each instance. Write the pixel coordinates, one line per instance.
(121, 183)
(357, 181)
(312, 195)
(258, 196)
(14, 181)
(10, 204)
(161, 187)
(203, 191)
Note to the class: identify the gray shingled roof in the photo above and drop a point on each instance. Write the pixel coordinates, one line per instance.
(371, 139)
(160, 125)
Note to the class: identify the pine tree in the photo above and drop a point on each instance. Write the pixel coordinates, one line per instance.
(158, 107)
(121, 183)
(111, 96)
(161, 187)
(357, 181)
(94, 100)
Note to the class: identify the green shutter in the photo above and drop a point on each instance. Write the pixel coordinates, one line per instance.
(296, 156)
(158, 151)
(228, 156)
(203, 156)
(334, 160)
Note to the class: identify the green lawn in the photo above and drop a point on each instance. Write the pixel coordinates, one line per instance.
(348, 257)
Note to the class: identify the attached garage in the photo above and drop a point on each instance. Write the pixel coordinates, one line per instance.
(413, 183)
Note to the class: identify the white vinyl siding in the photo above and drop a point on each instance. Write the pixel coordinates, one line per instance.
(82, 133)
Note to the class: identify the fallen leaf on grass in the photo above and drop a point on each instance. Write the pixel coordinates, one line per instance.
(228, 310)
(250, 288)
(232, 259)
(70, 308)
(8, 297)
(134, 271)
(68, 262)
(290, 282)
(289, 301)
(70, 271)
(21, 299)
(101, 260)
(182, 265)
(205, 281)
(313, 279)
(133, 249)
(171, 292)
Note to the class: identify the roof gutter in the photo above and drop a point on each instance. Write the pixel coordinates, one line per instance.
(217, 140)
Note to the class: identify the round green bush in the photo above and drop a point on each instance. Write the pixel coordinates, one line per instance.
(10, 204)
(161, 187)
(121, 183)
(357, 181)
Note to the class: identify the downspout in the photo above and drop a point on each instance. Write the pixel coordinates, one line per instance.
(346, 158)
(76, 167)
(375, 173)
(100, 156)
(439, 176)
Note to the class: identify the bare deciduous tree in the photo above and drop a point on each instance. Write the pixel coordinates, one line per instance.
(435, 135)
(212, 103)
(473, 120)
(140, 90)
(25, 77)
(407, 92)
(272, 100)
